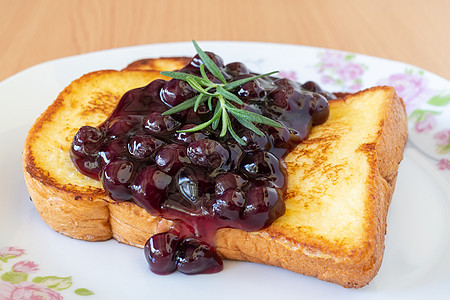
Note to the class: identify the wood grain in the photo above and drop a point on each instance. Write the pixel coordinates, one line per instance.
(412, 31)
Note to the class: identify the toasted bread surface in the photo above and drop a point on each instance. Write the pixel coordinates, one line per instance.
(339, 187)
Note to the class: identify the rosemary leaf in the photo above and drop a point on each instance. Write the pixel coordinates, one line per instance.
(235, 136)
(180, 107)
(203, 125)
(215, 124)
(196, 86)
(235, 84)
(184, 77)
(210, 102)
(227, 95)
(200, 99)
(202, 71)
(225, 122)
(248, 124)
(177, 75)
(210, 91)
(255, 118)
(209, 63)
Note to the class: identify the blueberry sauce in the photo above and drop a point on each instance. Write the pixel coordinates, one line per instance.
(200, 180)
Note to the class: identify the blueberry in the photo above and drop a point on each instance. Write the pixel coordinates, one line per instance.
(150, 189)
(319, 109)
(278, 99)
(171, 158)
(236, 69)
(229, 205)
(159, 125)
(263, 164)
(279, 137)
(143, 146)
(120, 127)
(207, 153)
(161, 252)
(285, 82)
(176, 91)
(197, 257)
(130, 102)
(117, 177)
(153, 89)
(189, 137)
(90, 165)
(87, 141)
(113, 149)
(254, 141)
(227, 181)
(194, 185)
(262, 207)
(252, 91)
(196, 60)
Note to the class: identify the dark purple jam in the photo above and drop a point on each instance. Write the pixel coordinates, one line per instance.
(200, 180)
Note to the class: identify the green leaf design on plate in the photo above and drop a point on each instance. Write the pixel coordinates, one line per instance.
(7, 257)
(349, 56)
(440, 100)
(84, 292)
(419, 114)
(14, 277)
(54, 282)
(443, 149)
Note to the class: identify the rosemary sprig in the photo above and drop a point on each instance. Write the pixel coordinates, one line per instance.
(223, 106)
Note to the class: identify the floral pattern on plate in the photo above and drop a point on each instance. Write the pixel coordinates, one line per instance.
(428, 114)
(340, 70)
(15, 283)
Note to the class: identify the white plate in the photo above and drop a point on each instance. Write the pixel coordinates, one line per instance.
(417, 256)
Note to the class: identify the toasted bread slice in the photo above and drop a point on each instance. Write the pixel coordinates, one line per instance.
(340, 183)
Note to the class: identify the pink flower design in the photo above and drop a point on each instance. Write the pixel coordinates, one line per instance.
(410, 87)
(426, 124)
(444, 164)
(356, 86)
(11, 251)
(340, 69)
(289, 75)
(327, 79)
(26, 266)
(26, 291)
(7, 253)
(332, 59)
(350, 71)
(442, 137)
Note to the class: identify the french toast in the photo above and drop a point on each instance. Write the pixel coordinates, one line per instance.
(340, 182)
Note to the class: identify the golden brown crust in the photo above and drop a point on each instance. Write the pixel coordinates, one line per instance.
(133, 225)
(162, 63)
(70, 213)
(85, 212)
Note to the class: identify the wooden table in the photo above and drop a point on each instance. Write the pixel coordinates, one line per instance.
(412, 31)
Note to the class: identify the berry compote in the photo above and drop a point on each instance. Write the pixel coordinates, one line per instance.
(199, 180)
